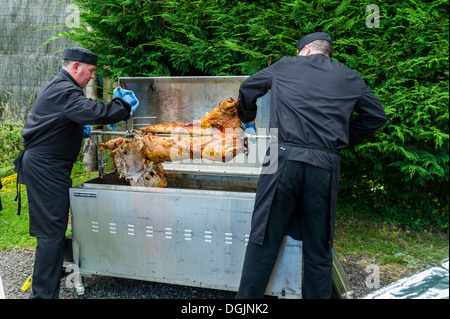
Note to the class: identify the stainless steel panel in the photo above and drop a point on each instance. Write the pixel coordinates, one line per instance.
(187, 99)
(182, 236)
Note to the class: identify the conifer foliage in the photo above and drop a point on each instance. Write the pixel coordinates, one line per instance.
(400, 48)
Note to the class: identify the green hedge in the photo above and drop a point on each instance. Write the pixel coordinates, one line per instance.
(401, 173)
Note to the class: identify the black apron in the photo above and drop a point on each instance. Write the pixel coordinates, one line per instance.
(47, 178)
(268, 182)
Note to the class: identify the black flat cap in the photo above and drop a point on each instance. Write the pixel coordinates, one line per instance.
(313, 37)
(80, 55)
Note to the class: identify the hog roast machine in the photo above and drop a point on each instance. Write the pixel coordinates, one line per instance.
(193, 232)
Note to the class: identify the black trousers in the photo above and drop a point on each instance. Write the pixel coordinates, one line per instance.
(47, 270)
(304, 190)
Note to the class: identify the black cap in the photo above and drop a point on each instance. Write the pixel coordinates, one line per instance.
(80, 55)
(313, 37)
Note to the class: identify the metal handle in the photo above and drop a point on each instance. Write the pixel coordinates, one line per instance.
(99, 132)
(250, 136)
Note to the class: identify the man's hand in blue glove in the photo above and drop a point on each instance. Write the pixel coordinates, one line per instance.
(112, 127)
(86, 131)
(249, 129)
(128, 96)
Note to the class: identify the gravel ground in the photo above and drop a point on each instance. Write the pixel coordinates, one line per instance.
(16, 266)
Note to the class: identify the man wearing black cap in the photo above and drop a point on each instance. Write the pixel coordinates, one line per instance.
(312, 100)
(52, 138)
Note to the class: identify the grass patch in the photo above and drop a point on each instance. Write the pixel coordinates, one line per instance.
(394, 248)
(13, 228)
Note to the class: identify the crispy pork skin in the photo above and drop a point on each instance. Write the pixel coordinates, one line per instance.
(217, 136)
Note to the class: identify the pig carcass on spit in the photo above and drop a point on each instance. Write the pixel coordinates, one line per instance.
(216, 136)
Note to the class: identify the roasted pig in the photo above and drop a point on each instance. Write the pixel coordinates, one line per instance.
(216, 136)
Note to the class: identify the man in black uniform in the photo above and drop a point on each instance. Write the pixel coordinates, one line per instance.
(312, 99)
(52, 138)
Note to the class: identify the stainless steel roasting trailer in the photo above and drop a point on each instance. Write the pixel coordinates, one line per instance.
(193, 232)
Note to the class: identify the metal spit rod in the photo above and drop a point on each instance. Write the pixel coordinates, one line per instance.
(100, 133)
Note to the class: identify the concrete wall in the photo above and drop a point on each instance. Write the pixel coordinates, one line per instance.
(25, 65)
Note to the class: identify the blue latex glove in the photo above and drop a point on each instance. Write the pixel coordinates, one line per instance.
(249, 129)
(128, 96)
(86, 131)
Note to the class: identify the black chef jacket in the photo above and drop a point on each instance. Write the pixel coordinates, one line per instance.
(52, 138)
(312, 100)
